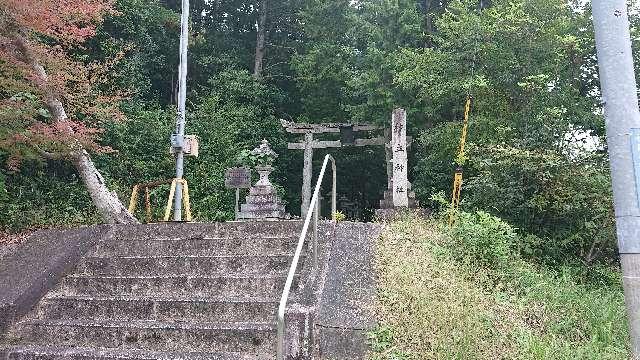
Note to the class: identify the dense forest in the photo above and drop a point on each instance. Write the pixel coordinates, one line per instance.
(536, 154)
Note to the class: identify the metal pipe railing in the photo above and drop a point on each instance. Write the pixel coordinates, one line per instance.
(313, 211)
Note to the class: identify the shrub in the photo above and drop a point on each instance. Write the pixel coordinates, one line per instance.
(566, 203)
(484, 239)
(44, 195)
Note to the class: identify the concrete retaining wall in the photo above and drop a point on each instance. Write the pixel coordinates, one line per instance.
(346, 306)
(38, 265)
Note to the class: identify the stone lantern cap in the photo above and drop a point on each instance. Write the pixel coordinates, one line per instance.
(264, 150)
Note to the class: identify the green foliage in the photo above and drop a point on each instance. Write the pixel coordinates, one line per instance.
(384, 28)
(323, 69)
(148, 34)
(43, 195)
(530, 90)
(244, 158)
(250, 159)
(235, 115)
(436, 150)
(565, 203)
(381, 341)
(338, 216)
(483, 239)
(529, 65)
(140, 141)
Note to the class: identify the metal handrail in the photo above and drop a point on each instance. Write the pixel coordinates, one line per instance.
(294, 263)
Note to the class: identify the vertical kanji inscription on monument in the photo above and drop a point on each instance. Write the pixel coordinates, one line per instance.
(399, 148)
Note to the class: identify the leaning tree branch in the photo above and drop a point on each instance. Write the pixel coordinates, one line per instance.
(51, 101)
(107, 202)
(51, 155)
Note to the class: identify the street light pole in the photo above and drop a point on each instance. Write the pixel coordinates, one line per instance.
(178, 137)
(622, 121)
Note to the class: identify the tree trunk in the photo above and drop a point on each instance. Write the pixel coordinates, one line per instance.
(108, 204)
(260, 41)
(428, 22)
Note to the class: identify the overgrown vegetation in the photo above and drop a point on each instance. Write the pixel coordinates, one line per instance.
(537, 282)
(535, 148)
(466, 293)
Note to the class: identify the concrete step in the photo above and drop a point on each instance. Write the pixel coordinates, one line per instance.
(70, 353)
(123, 308)
(264, 286)
(205, 246)
(248, 338)
(145, 294)
(184, 265)
(237, 229)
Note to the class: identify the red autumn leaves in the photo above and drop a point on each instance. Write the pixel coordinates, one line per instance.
(39, 67)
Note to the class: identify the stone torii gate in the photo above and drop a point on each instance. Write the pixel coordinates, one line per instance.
(347, 138)
(396, 164)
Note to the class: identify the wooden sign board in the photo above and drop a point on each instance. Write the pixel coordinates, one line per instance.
(237, 178)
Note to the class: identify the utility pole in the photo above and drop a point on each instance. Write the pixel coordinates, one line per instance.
(177, 140)
(622, 120)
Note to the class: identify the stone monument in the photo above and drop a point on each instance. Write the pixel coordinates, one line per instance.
(263, 202)
(398, 193)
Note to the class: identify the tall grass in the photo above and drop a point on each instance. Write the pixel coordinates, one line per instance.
(463, 293)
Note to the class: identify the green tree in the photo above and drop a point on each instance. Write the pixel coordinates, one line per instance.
(529, 66)
(148, 34)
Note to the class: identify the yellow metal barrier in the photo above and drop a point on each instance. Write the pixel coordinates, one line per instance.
(133, 201)
(457, 179)
(185, 196)
(455, 196)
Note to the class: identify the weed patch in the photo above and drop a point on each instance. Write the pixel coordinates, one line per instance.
(463, 293)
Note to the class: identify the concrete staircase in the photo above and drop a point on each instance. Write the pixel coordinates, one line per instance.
(147, 294)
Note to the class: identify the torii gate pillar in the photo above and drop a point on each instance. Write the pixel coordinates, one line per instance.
(307, 173)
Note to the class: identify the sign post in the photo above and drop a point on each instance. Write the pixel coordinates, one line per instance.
(237, 178)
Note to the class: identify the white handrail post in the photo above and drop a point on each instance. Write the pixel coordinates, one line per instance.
(334, 205)
(280, 346)
(316, 214)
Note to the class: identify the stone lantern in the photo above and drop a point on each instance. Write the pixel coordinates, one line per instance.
(265, 157)
(263, 201)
